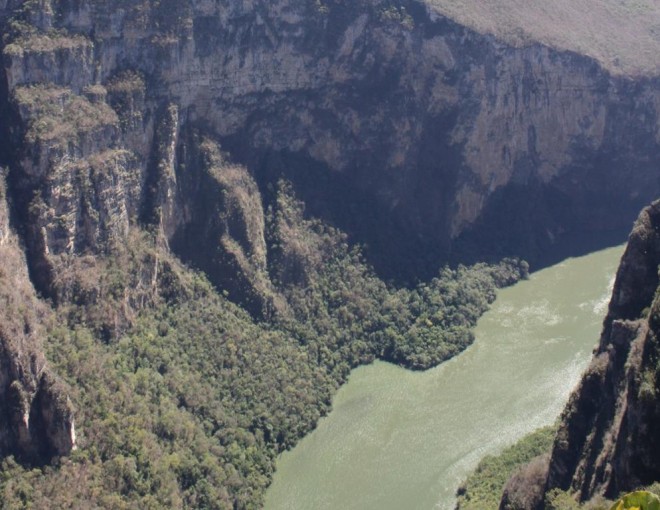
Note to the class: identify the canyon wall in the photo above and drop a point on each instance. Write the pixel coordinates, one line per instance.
(608, 442)
(36, 415)
(423, 139)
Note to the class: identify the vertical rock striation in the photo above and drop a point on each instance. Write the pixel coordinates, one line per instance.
(418, 136)
(36, 416)
(609, 441)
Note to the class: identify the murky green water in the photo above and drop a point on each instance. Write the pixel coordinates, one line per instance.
(401, 440)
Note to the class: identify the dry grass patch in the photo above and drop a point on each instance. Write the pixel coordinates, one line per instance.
(44, 43)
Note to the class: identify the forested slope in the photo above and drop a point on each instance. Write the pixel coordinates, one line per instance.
(180, 398)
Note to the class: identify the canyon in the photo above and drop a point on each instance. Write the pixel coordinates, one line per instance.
(427, 140)
(166, 159)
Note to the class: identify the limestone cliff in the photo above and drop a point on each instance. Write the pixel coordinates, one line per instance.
(608, 441)
(416, 135)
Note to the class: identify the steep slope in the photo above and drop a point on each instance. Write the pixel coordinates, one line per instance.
(418, 136)
(608, 440)
(36, 415)
(181, 399)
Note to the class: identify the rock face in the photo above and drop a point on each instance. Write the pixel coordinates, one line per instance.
(608, 441)
(420, 137)
(525, 488)
(36, 416)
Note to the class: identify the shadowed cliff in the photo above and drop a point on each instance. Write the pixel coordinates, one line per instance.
(420, 138)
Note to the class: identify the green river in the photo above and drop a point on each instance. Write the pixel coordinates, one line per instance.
(403, 440)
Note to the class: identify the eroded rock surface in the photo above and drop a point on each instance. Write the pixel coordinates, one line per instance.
(608, 442)
(36, 415)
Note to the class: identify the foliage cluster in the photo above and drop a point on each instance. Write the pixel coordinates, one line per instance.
(187, 409)
(126, 95)
(46, 43)
(351, 316)
(397, 15)
(482, 490)
(557, 499)
(641, 500)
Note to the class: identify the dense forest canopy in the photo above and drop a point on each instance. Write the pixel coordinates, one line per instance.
(190, 400)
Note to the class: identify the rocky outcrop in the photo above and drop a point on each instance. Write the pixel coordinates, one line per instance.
(418, 136)
(36, 415)
(608, 440)
(525, 488)
(221, 227)
(75, 184)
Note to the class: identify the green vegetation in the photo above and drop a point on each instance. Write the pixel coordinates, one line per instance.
(562, 500)
(321, 8)
(47, 43)
(347, 315)
(483, 488)
(397, 15)
(183, 400)
(646, 499)
(641, 500)
(126, 95)
(187, 409)
(60, 116)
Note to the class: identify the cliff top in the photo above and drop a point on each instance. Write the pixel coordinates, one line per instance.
(623, 35)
